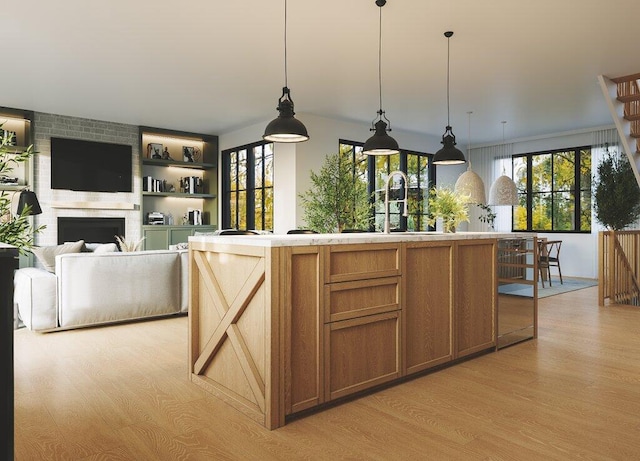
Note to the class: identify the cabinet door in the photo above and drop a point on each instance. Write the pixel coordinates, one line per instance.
(361, 353)
(179, 235)
(303, 328)
(475, 296)
(428, 305)
(156, 239)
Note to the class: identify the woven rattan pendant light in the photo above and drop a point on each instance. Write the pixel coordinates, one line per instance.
(504, 191)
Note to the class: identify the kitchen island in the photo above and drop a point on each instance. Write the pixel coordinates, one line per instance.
(280, 324)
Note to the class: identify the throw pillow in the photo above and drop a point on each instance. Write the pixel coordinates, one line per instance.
(47, 255)
(105, 248)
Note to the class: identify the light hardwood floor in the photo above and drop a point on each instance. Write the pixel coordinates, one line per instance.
(122, 393)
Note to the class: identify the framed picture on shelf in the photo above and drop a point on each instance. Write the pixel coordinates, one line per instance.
(188, 154)
(154, 150)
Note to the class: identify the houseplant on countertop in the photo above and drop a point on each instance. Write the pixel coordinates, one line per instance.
(451, 207)
(14, 230)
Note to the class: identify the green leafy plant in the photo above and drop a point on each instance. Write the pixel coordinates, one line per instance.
(487, 216)
(446, 204)
(14, 230)
(337, 199)
(616, 193)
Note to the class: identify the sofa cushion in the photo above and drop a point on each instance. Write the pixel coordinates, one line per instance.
(47, 255)
(105, 248)
(111, 287)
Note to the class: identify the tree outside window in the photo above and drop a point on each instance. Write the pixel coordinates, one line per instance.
(247, 193)
(554, 191)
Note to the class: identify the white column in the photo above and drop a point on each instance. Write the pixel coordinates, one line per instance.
(285, 190)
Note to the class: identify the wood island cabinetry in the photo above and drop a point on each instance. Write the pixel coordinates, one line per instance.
(278, 326)
(428, 306)
(475, 295)
(362, 317)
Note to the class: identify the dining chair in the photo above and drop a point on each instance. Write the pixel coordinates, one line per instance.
(548, 257)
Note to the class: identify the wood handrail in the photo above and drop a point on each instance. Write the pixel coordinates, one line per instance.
(626, 78)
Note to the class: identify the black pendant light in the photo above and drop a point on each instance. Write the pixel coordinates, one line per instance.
(449, 154)
(380, 143)
(285, 128)
(28, 199)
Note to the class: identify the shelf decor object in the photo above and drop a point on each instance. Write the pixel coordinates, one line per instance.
(504, 191)
(285, 127)
(470, 183)
(449, 154)
(380, 143)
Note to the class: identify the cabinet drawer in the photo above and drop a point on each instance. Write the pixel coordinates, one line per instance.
(348, 300)
(357, 262)
(361, 353)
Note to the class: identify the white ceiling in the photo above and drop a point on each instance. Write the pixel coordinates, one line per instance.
(215, 66)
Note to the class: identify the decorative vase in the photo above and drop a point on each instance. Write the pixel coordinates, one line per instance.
(448, 227)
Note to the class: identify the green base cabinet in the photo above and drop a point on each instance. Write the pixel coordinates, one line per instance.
(160, 237)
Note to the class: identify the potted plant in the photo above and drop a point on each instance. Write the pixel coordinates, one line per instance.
(336, 200)
(616, 193)
(14, 230)
(447, 205)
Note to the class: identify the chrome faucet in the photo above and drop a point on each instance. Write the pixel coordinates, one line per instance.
(386, 198)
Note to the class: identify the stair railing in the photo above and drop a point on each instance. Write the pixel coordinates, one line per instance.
(619, 267)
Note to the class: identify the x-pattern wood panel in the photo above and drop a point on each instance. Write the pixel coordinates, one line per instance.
(230, 312)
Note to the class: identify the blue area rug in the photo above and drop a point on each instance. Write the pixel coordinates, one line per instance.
(570, 284)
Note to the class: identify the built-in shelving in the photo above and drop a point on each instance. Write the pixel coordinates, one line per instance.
(21, 123)
(186, 155)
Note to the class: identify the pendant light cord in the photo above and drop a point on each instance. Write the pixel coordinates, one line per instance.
(380, 58)
(448, 66)
(469, 139)
(286, 83)
(504, 169)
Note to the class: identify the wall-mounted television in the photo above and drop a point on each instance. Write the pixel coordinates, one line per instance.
(91, 166)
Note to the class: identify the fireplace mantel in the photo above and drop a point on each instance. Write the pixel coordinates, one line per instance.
(95, 205)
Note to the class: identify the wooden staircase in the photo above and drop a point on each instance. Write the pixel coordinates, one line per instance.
(623, 99)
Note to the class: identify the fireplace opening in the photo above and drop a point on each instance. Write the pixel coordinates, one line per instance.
(91, 230)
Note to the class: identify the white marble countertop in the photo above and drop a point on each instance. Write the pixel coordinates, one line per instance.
(276, 240)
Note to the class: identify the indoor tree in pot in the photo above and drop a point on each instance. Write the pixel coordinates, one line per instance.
(616, 193)
(14, 230)
(337, 199)
(451, 207)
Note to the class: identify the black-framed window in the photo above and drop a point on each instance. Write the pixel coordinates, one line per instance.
(247, 187)
(419, 170)
(554, 190)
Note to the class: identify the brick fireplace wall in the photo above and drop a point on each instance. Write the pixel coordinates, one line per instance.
(64, 203)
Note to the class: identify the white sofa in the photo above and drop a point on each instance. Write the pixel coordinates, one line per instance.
(92, 289)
